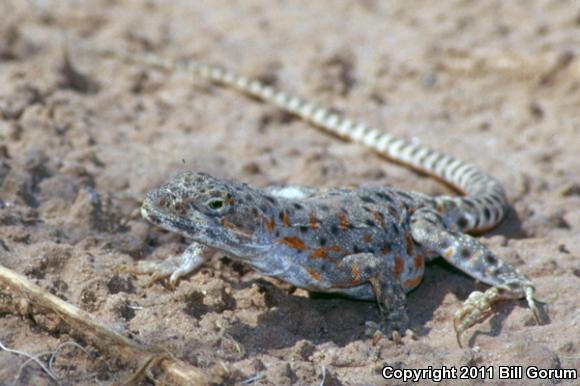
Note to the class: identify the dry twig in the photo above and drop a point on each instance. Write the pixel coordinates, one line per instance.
(83, 324)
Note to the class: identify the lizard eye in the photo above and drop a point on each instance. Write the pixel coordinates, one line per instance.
(215, 204)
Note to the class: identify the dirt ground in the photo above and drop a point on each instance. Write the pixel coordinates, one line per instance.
(81, 142)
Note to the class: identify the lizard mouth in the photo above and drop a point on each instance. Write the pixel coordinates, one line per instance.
(167, 221)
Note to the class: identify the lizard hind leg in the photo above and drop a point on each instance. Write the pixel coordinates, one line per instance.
(391, 300)
(477, 260)
(387, 289)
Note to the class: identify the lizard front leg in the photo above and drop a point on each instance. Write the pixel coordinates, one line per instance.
(477, 260)
(174, 267)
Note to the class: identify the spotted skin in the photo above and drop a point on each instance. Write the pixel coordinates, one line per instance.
(367, 243)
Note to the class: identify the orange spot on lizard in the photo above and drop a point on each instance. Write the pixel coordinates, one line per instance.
(319, 253)
(313, 222)
(313, 274)
(270, 224)
(322, 252)
(409, 241)
(412, 283)
(398, 267)
(343, 221)
(419, 262)
(355, 270)
(285, 219)
(293, 242)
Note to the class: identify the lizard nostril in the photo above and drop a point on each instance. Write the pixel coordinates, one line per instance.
(162, 201)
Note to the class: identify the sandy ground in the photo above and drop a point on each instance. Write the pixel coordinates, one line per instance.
(496, 83)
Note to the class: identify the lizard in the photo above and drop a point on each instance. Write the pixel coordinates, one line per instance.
(368, 243)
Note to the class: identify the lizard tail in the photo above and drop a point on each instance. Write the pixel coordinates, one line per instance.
(484, 203)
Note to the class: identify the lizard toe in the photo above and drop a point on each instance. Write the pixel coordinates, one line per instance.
(393, 331)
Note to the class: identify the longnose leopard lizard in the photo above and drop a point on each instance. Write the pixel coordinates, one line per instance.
(366, 243)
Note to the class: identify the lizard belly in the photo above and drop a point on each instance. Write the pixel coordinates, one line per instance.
(360, 292)
(288, 269)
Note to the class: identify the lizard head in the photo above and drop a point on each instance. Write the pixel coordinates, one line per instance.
(215, 212)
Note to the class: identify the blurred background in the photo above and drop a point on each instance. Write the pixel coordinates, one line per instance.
(83, 138)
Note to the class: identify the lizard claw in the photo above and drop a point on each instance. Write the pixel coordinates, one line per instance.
(157, 277)
(376, 332)
(531, 300)
(159, 271)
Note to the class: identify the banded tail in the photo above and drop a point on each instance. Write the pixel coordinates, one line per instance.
(482, 207)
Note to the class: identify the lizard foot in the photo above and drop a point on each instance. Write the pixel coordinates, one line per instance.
(393, 331)
(158, 271)
(478, 306)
